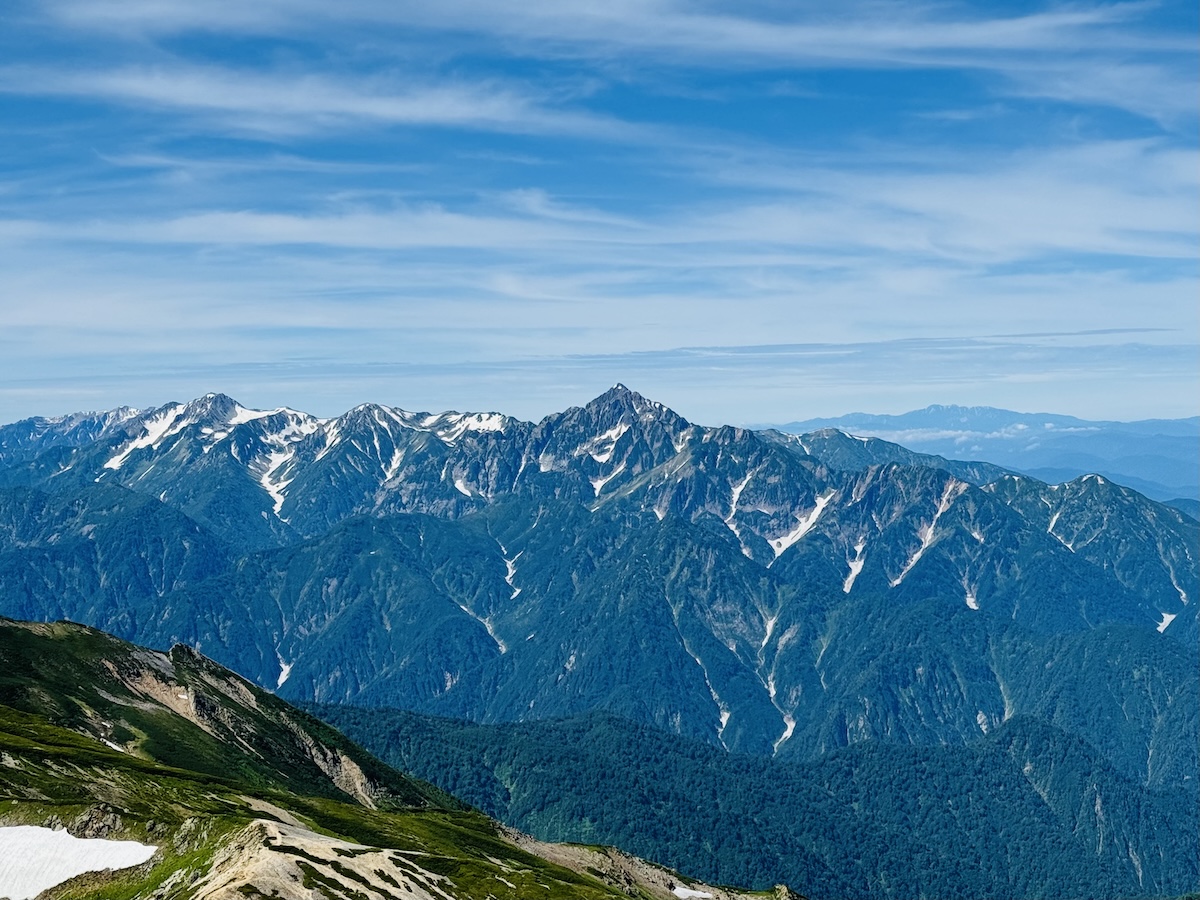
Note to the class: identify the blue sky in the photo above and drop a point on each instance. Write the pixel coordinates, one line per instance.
(751, 212)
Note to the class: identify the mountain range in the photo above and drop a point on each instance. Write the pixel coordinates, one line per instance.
(787, 596)
(1157, 457)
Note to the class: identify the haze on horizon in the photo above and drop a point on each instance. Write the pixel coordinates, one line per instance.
(749, 212)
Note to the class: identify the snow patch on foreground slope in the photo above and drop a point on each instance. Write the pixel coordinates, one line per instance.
(33, 859)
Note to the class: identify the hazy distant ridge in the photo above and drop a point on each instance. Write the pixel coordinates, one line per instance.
(1158, 457)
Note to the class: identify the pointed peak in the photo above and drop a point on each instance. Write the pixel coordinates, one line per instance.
(364, 409)
(371, 415)
(619, 393)
(620, 401)
(220, 406)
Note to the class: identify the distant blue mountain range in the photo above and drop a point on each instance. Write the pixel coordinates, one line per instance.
(1158, 457)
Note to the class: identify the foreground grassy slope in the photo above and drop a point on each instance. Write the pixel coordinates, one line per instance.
(53, 776)
(231, 820)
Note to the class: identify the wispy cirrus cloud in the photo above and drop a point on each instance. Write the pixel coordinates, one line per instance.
(1094, 53)
(856, 31)
(1132, 198)
(571, 192)
(301, 102)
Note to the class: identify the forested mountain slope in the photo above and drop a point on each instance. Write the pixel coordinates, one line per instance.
(1026, 812)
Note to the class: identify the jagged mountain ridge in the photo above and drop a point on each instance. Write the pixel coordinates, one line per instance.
(717, 582)
(266, 478)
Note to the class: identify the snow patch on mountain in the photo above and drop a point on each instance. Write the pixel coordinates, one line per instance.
(1167, 619)
(285, 669)
(274, 487)
(450, 427)
(277, 469)
(954, 488)
(735, 496)
(1183, 597)
(599, 483)
(602, 447)
(723, 711)
(1063, 541)
(856, 565)
(393, 466)
(789, 725)
(333, 437)
(768, 630)
(511, 566)
(157, 428)
(803, 527)
(34, 859)
(486, 622)
(241, 414)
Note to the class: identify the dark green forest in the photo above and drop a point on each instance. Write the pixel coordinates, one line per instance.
(1024, 813)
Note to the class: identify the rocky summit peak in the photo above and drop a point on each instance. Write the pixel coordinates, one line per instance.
(212, 407)
(364, 412)
(618, 393)
(620, 398)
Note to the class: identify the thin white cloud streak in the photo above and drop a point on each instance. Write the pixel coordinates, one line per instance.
(195, 166)
(1079, 54)
(1132, 198)
(855, 32)
(291, 301)
(298, 103)
(1154, 91)
(432, 227)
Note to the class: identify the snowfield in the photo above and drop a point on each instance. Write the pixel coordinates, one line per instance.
(33, 859)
